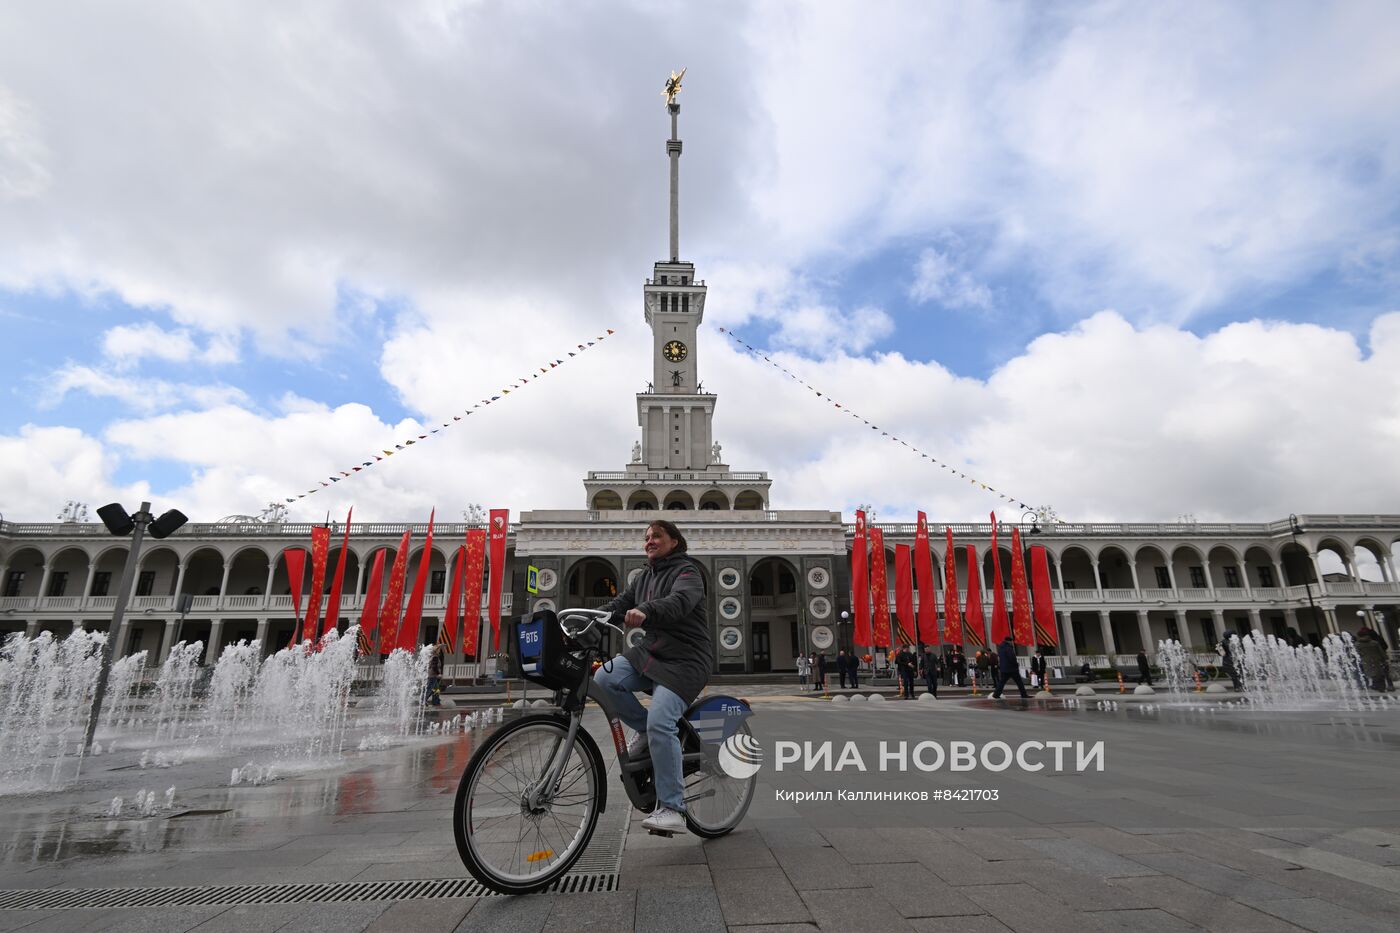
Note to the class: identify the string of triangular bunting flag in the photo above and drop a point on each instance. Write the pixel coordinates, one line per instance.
(515, 386)
(826, 397)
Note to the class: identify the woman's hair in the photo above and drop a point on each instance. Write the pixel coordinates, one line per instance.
(671, 531)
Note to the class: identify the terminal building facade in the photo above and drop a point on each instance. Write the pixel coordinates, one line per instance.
(778, 582)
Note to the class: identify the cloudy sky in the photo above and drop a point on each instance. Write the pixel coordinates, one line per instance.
(1128, 261)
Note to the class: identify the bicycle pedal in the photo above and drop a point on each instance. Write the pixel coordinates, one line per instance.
(661, 832)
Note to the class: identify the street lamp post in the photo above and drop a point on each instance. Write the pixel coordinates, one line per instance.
(119, 523)
(1294, 528)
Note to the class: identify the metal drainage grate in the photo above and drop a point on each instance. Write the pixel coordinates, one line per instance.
(88, 898)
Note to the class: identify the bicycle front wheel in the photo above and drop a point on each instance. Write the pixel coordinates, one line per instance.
(715, 801)
(509, 843)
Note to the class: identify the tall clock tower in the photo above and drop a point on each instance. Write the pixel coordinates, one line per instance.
(676, 464)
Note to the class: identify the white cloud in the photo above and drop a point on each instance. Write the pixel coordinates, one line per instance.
(938, 279)
(1105, 421)
(41, 468)
(421, 155)
(138, 393)
(127, 344)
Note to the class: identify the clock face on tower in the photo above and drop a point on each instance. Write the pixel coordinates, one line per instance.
(674, 351)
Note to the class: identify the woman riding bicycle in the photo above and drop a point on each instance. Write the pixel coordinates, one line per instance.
(673, 661)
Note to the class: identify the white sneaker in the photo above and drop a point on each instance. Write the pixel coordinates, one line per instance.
(665, 820)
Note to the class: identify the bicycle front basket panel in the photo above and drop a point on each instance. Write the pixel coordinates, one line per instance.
(542, 656)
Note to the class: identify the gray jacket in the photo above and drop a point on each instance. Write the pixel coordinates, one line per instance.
(676, 652)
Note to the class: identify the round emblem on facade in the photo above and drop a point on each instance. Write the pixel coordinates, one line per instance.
(546, 579)
(818, 578)
(729, 607)
(728, 578)
(820, 607)
(542, 605)
(822, 638)
(730, 638)
(633, 575)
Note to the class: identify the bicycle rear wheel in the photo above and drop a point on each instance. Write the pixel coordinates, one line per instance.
(716, 801)
(508, 845)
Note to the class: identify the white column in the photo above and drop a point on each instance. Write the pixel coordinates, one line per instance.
(1132, 568)
(87, 585)
(211, 650)
(1183, 628)
(1331, 616)
(1317, 571)
(223, 584)
(1145, 633)
(1281, 577)
(44, 582)
(1106, 628)
(271, 572)
(1256, 622)
(1098, 583)
(1244, 578)
(1219, 616)
(31, 628)
(1171, 574)
(1066, 623)
(180, 578)
(167, 641)
(685, 439)
(262, 637)
(1210, 581)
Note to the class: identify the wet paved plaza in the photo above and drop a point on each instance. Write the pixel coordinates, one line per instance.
(1202, 818)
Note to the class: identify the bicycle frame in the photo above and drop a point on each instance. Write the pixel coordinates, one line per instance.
(636, 775)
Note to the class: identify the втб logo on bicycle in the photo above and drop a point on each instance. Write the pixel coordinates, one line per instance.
(740, 756)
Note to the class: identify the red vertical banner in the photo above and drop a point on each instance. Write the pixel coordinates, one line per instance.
(408, 632)
(369, 612)
(1045, 632)
(1001, 626)
(1020, 595)
(320, 552)
(338, 584)
(974, 625)
(500, 526)
(447, 634)
(392, 608)
(904, 592)
(296, 568)
(952, 613)
(860, 585)
(879, 589)
(471, 587)
(928, 584)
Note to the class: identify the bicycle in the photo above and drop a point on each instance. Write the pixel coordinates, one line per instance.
(529, 799)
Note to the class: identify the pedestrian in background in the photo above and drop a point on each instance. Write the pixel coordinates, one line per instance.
(932, 669)
(1009, 668)
(804, 668)
(821, 672)
(904, 663)
(1038, 668)
(433, 695)
(1144, 670)
(842, 662)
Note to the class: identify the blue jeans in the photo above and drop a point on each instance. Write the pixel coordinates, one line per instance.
(658, 722)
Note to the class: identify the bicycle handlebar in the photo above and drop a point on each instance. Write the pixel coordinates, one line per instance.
(632, 637)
